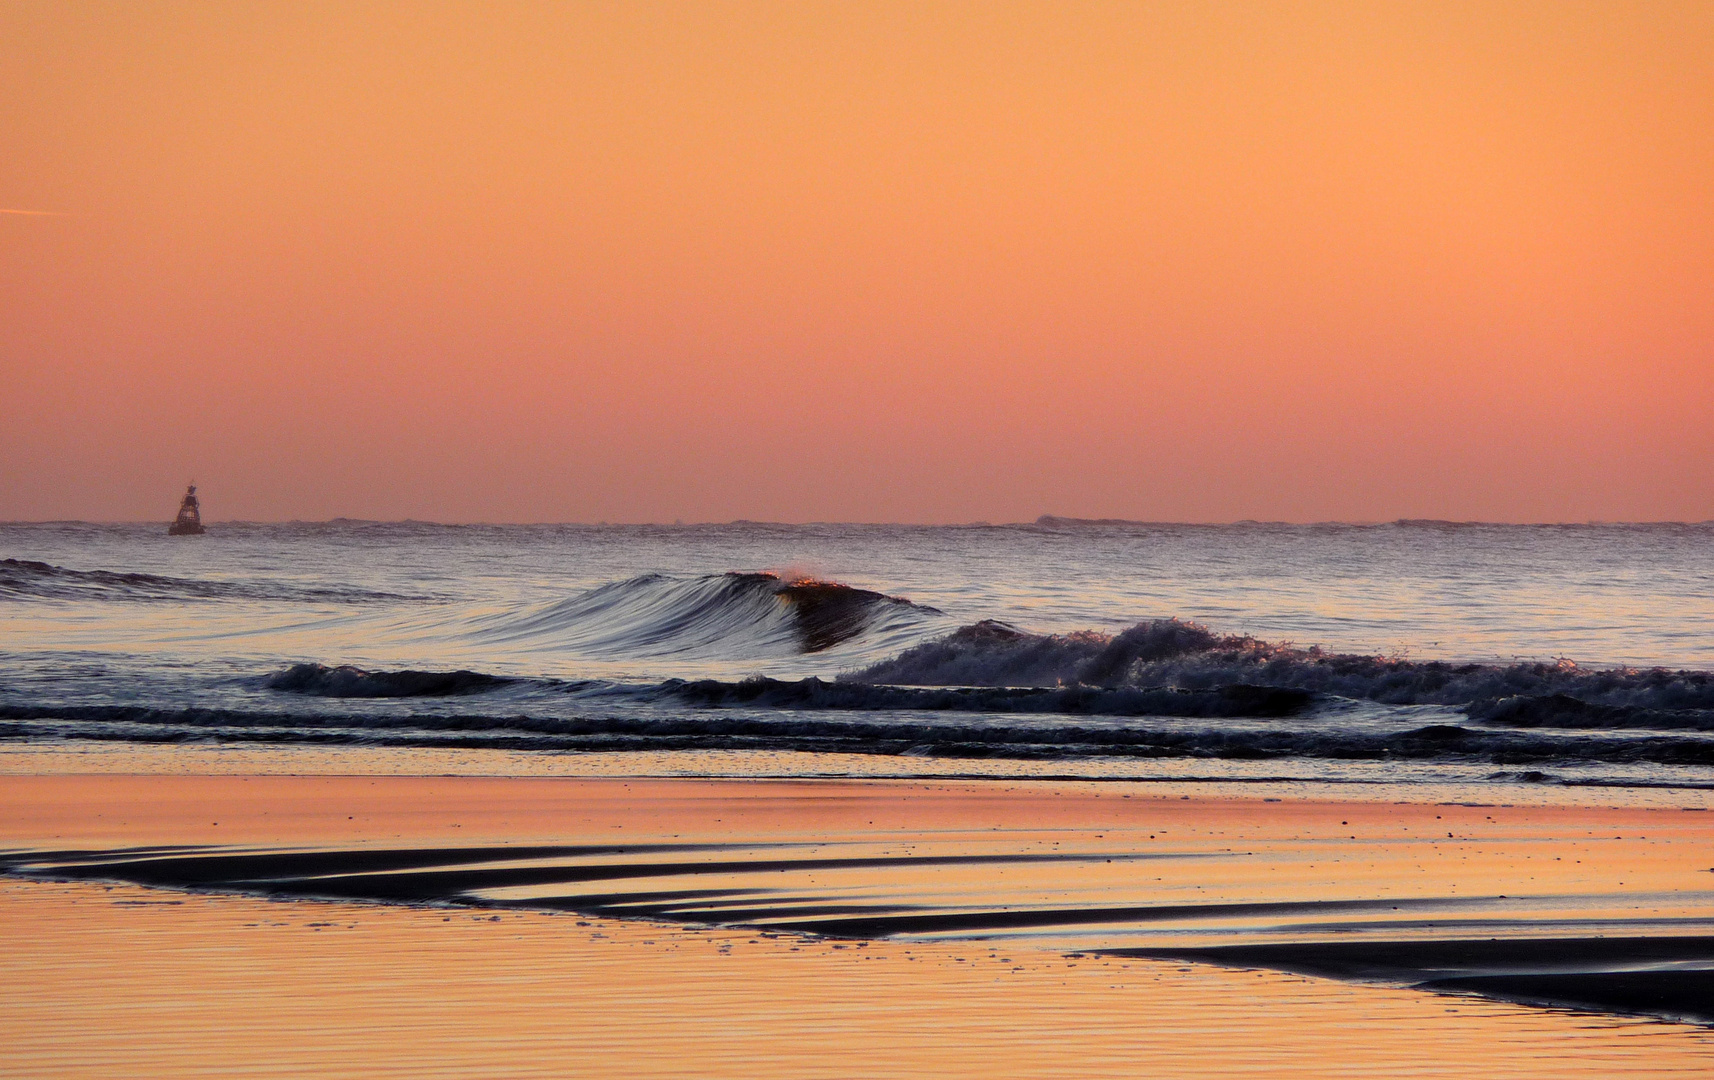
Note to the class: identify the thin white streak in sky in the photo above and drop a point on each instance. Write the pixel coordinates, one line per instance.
(34, 213)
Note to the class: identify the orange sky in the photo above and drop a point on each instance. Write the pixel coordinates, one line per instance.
(909, 262)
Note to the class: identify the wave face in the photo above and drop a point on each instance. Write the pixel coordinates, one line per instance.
(742, 615)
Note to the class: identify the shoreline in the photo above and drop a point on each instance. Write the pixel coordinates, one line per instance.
(102, 757)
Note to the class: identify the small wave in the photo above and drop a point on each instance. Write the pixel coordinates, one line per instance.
(1180, 654)
(1226, 701)
(318, 680)
(25, 579)
(743, 615)
(346, 681)
(1560, 710)
(953, 734)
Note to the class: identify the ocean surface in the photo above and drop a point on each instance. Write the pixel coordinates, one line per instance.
(1394, 653)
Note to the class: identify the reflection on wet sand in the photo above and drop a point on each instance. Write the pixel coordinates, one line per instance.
(120, 980)
(1011, 918)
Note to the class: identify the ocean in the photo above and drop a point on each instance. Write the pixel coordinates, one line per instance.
(1402, 653)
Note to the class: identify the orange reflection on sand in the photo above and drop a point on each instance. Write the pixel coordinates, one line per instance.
(104, 979)
(141, 983)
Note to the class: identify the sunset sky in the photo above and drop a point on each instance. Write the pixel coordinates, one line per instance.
(859, 262)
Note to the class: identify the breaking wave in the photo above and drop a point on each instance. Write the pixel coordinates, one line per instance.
(738, 616)
(749, 615)
(1162, 689)
(1185, 656)
(26, 579)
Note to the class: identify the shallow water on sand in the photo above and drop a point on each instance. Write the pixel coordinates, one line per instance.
(125, 981)
(1611, 905)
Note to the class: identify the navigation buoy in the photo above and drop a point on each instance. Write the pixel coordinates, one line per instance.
(189, 521)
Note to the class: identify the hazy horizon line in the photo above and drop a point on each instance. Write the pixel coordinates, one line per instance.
(1041, 520)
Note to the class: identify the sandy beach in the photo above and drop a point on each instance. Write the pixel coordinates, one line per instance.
(365, 925)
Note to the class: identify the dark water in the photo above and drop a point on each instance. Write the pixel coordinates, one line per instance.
(1402, 652)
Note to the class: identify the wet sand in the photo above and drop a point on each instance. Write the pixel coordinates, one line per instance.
(883, 928)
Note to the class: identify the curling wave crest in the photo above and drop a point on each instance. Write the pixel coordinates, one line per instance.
(738, 615)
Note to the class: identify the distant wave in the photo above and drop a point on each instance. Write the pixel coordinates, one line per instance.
(742, 615)
(1055, 521)
(1183, 655)
(25, 579)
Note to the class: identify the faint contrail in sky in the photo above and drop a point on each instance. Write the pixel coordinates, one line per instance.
(34, 213)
